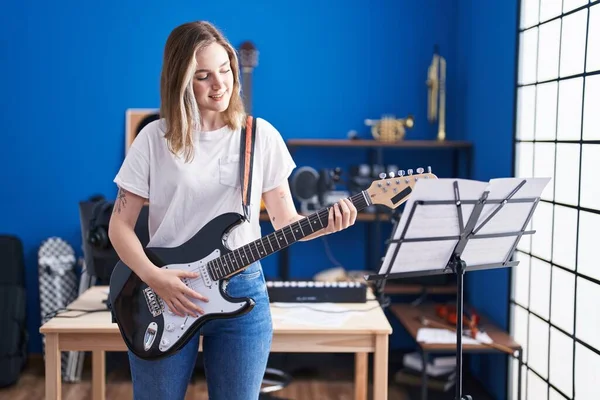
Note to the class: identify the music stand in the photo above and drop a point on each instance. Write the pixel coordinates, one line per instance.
(459, 225)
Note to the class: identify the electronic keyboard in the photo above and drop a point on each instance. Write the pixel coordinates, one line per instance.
(316, 292)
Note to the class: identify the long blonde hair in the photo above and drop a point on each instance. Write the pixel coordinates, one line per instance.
(178, 103)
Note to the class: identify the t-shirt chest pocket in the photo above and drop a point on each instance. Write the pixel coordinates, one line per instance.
(229, 170)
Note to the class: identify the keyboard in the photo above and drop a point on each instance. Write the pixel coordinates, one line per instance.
(316, 292)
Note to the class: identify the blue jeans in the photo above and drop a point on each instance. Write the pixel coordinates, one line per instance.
(235, 351)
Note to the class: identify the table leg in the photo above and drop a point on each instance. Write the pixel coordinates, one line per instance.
(361, 376)
(98, 375)
(380, 368)
(425, 358)
(520, 370)
(53, 368)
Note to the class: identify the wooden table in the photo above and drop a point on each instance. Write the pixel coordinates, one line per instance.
(410, 318)
(366, 331)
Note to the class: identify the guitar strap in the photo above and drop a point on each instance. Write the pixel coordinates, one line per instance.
(247, 140)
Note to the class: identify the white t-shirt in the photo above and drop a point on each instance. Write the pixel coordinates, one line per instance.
(184, 196)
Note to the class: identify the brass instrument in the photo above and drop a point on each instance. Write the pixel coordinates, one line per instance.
(436, 82)
(389, 128)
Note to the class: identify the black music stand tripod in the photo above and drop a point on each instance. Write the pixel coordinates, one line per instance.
(456, 226)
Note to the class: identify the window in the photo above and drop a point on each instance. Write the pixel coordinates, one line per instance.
(555, 290)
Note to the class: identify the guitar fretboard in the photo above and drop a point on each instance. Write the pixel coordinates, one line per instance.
(241, 257)
(247, 89)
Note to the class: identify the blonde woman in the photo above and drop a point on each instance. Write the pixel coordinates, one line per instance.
(186, 165)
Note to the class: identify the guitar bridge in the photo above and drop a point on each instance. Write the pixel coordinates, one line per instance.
(155, 304)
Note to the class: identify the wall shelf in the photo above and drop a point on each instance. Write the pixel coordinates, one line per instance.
(403, 288)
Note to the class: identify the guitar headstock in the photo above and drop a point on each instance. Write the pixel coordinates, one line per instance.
(248, 55)
(394, 188)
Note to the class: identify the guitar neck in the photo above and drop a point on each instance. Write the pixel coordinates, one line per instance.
(247, 89)
(241, 257)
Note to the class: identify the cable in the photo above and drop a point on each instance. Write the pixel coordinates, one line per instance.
(58, 313)
(384, 304)
(333, 260)
(328, 311)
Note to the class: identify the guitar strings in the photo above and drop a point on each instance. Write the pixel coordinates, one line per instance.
(304, 224)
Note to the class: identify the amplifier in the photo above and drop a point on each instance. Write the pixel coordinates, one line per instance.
(316, 292)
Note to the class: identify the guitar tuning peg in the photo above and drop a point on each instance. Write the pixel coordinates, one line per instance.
(401, 172)
(392, 174)
(410, 171)
(382, 175)
(420, 170)
(429, 169)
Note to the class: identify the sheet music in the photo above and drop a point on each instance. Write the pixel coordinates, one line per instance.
(431, 221)
(511, 217)
(446, 336)
(437, 221)
(313, 314)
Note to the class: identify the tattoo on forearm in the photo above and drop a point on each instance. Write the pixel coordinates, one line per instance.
(120, 202)
(285, 197)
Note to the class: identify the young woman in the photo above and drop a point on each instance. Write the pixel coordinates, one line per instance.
(186, 165)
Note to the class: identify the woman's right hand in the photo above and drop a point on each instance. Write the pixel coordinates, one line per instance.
(168, 284)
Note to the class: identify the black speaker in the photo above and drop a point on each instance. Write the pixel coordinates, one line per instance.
(305, 188)
(328, 178)
(99, 254)
(97, 234)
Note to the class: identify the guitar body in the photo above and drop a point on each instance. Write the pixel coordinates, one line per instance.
(150, 330)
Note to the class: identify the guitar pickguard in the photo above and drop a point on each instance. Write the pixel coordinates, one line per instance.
(176, 326)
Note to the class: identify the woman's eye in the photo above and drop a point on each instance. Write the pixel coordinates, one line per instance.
(226, 71)
(201, 78)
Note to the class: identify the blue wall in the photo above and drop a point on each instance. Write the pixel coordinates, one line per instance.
(71, 70)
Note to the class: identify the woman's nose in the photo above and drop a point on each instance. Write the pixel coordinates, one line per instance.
(217, 82)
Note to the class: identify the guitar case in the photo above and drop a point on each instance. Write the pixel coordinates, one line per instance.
(58, 287)
(13, 335)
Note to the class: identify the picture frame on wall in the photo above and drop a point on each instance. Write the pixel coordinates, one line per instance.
(135, 120)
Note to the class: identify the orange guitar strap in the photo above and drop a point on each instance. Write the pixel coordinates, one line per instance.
(246, 162)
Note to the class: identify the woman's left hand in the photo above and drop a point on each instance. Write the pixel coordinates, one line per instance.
(341, 215)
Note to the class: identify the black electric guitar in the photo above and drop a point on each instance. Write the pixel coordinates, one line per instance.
(152, 331)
